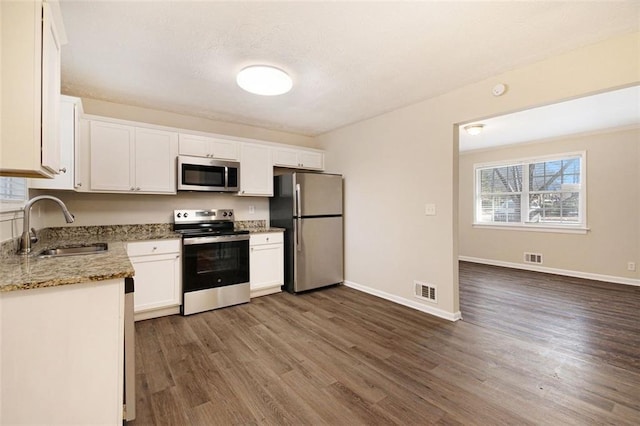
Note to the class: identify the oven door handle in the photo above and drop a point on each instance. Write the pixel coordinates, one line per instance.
(190, 241)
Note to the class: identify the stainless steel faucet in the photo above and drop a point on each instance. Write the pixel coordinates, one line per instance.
(25, 240)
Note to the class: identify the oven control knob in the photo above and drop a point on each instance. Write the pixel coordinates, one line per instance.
(224, 214)
(230, 213)
(186, 214)
(178, 215)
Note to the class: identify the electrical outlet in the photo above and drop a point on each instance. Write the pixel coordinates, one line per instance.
(631, 266)
(430, 209)
(252, 209)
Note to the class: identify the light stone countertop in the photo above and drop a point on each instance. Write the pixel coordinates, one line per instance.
(26, 272)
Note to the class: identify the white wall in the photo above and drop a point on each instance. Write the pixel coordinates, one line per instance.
(395, 163)
(613, 208)
(124, 209)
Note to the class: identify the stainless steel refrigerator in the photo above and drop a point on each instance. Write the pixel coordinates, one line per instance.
(309, 207)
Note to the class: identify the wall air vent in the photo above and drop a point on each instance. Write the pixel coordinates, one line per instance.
(425, 291)
(532, 258)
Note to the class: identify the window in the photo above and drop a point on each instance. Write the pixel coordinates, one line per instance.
(13, 193)
(543, 192)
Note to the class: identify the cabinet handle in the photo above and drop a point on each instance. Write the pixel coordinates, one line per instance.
(138, 189)
(63, 170)
(267, 239)
(78, 185)
(251, 248)
(155, 248)
(132, 189)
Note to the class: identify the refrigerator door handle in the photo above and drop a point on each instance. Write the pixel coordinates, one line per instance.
(299, 217)
(298, 200)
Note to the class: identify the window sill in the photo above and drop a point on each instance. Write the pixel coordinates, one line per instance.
(11, 211)
(565, 229)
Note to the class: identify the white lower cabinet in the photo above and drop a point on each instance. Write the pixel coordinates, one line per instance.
(266, 262)
(62, 354)
(158, 289)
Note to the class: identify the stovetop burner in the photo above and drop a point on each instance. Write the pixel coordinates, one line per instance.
(192, 223)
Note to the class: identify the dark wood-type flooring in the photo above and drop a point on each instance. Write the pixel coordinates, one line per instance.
(532, 349)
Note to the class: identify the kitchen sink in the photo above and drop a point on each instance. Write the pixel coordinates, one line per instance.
(75, 250)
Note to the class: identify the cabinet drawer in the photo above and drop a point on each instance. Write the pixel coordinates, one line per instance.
(267, 238)
(143, 248)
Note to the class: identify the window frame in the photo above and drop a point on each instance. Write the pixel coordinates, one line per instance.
(10, 206)
(568, 227)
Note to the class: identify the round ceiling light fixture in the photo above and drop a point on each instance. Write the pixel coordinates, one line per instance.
(474, 129)
(264, 80)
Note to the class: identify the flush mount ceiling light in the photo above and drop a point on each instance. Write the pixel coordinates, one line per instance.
(264, 80)
(474, 129)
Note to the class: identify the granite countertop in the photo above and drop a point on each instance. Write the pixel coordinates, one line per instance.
(19, 272)
(265, 230)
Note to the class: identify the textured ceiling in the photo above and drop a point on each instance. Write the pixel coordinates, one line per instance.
(349, 60)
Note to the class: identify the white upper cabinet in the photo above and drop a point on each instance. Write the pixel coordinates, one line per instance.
(70, 108)
(155, 160)
(256, 170)
(298, 158)
(30, 81)
(131, 159)
(202, 146)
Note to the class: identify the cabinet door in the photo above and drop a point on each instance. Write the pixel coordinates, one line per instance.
(285, 157)
(197, 146)
(202, 146)
(298, 159)
(224, 149)
(311, 160)
(155, 161)
(68, 124)
(157, 281)
(50, 92)
(30, 81)
(111, 154)
(256, 170)
(266, 266)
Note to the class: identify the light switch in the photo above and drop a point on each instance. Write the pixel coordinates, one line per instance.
(430, 209)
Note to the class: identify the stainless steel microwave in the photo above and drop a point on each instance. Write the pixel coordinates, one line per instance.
(206, 174)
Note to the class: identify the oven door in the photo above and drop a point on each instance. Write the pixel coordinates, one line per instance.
(210, 262)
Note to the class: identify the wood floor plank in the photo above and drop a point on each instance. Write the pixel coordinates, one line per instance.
(532, 349)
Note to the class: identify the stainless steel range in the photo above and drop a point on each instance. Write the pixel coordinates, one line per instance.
(215, 260)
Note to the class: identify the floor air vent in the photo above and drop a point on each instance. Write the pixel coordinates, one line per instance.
(532, 258)
(425, 291)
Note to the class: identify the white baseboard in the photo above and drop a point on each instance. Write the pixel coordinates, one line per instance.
(406, 302)
(565, 272)
(156, 313)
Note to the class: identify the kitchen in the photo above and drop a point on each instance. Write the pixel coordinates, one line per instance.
(431, 260)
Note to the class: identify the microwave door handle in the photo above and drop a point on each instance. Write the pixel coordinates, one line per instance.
(226, 177)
